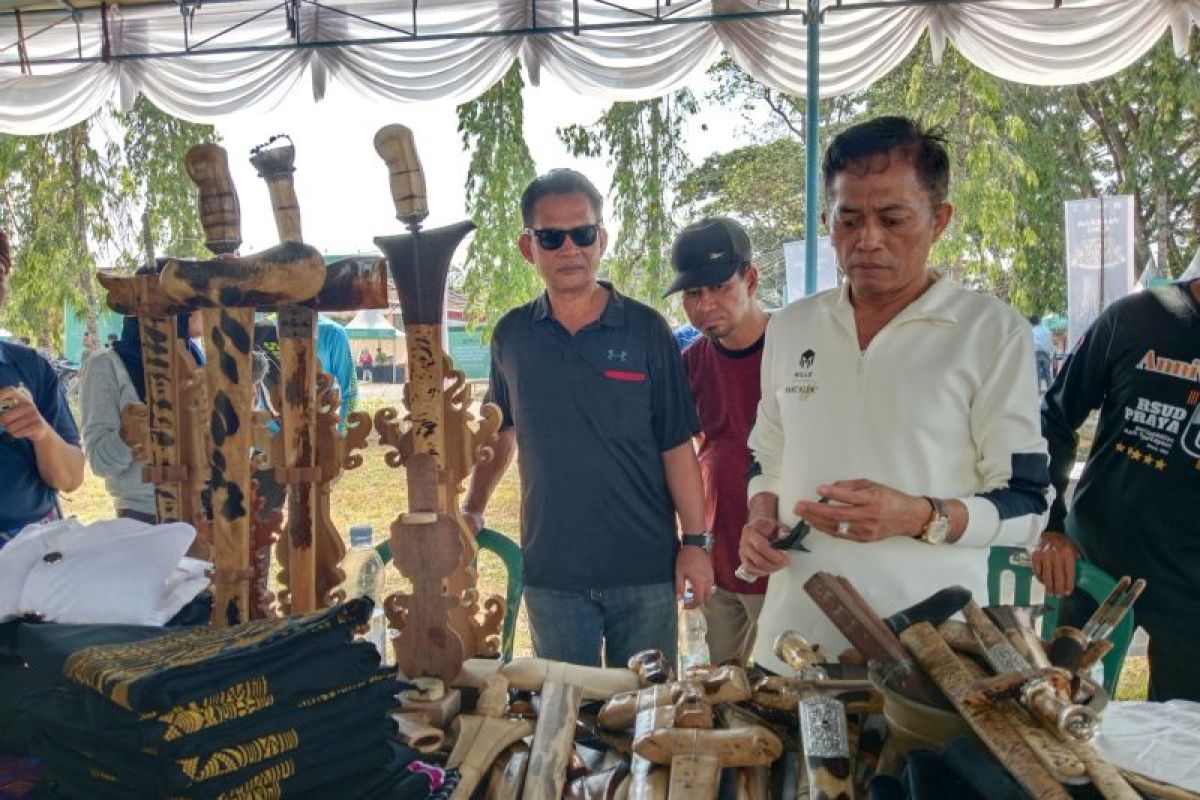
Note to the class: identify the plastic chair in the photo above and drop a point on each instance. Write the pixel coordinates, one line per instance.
(509, 553)
(1090, 579)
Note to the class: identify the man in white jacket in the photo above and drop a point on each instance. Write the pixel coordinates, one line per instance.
(907, 403)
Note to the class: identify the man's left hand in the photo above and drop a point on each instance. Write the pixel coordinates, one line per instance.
(694, 567)
(865, 511)
(22, 420)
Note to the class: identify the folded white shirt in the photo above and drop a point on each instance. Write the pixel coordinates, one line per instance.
(115, 572)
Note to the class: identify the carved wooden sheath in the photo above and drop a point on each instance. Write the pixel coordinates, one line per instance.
(228, 336)
(160, 342)
(297, 326)
(429, 543)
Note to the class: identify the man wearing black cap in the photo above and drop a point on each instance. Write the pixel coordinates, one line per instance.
(712, 260)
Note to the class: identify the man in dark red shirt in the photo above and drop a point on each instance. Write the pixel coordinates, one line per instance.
(712, 259)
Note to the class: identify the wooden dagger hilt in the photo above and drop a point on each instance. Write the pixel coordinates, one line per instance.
(276, 165)
(220, 213)
(396, 146)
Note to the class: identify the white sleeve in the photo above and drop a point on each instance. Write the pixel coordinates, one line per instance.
(1012, 459)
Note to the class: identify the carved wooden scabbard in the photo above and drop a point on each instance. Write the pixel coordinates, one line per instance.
(430, 543)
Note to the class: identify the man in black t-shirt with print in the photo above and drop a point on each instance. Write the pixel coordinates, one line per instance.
(1136, 510)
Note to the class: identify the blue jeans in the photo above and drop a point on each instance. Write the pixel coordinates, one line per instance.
(575, 625)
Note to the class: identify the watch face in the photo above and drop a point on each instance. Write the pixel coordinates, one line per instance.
(937, 531)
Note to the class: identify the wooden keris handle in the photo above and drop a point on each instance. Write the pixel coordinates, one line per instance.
(396, 146)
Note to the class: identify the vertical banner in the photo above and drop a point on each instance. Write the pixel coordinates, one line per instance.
(793, 264)
(1100, 266)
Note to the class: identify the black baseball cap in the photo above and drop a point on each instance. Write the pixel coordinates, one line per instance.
(708, 252)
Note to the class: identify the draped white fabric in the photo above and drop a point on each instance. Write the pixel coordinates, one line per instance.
(1020, 40)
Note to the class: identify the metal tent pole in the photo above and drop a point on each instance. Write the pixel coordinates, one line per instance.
(812, 148)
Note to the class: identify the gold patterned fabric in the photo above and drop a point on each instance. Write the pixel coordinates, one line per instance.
(271, 708)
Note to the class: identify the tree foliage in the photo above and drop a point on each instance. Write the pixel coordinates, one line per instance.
(643, 143)
(496, 277)
(72, 201)
(1017, 154)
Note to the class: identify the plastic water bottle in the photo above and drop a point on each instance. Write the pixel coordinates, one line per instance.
(364, 578)
(693, 636)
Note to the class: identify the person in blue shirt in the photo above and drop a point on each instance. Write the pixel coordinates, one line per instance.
(39, 443)
(333, 357)
(333, 351)
(684, 335)
(1043, 351)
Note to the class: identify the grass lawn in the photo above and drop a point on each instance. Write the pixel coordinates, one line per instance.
(374, 494)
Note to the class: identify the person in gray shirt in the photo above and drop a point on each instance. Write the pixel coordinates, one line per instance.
(110, 380)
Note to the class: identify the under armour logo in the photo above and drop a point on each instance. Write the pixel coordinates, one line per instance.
(618, 355)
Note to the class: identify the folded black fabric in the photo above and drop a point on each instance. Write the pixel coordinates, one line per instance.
(148, 671)
(290, 761)
(15, 680)
(8, 638)
(404, 777)
(50, 709)
(271, 697)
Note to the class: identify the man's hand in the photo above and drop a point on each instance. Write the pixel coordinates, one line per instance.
(22, 419)
(755, 551)
(694, 567)
(474, 521)
(865, 511)
(1054, 563)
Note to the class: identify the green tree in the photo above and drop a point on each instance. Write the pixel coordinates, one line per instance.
(643, 143)
(69, 199)
(155, 144)
(1017, 154)
(1142, 127)
(496, 277)
(59, 204)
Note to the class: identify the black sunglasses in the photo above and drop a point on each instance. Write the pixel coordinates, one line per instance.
(553, 238)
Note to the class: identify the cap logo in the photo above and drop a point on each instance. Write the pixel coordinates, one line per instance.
(716, 256)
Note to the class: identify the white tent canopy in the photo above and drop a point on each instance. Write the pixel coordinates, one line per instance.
(371, 323)
(219, 58)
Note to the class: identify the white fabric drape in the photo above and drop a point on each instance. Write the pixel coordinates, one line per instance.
(1027, 41)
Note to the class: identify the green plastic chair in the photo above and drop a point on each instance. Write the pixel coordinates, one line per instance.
(509, 553)
(1088, 577)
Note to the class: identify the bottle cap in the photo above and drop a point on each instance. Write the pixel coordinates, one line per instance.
(360, 535)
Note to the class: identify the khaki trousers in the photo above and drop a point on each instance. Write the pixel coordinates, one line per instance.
(732, 623)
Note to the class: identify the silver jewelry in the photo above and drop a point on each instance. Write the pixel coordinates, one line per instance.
(843, 528)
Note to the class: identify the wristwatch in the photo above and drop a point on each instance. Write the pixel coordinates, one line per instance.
(702, 540)
(938, 526)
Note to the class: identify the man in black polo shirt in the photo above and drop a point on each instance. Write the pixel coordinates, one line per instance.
(595, 399)
(39, 444)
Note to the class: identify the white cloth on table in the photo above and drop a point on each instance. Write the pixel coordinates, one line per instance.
(1158, 740)
(117, 571)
